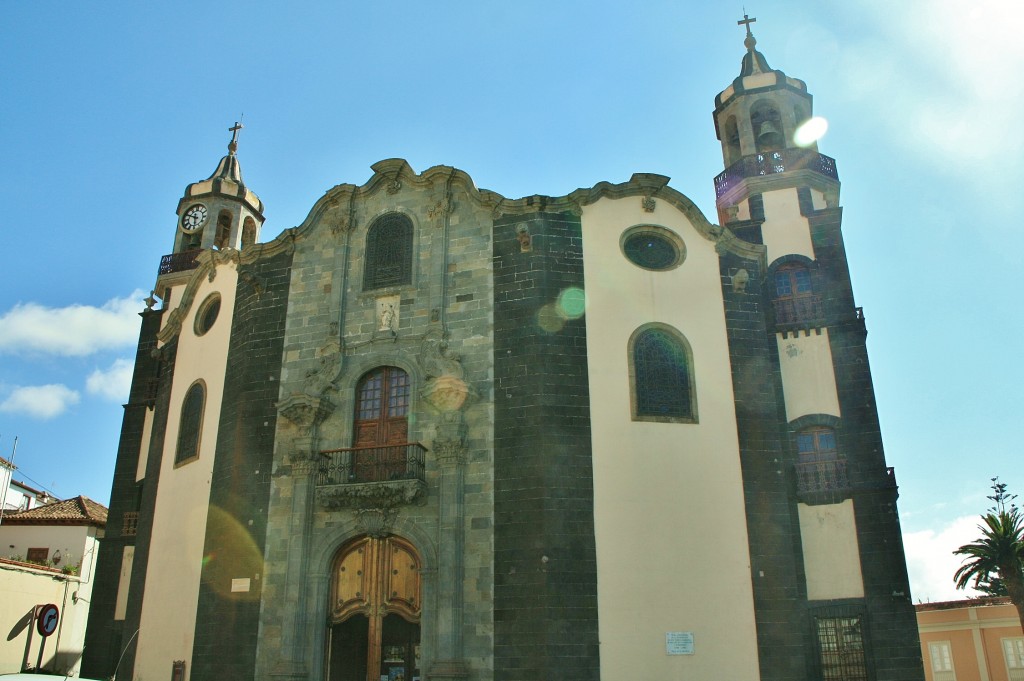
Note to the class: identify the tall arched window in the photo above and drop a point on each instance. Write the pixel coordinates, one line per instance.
(380, 433)
(820, 468)
(190, 425)
(388, 260)
(661, 373)
(795, 300)
(817, 444)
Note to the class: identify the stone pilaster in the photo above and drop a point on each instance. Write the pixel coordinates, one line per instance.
(306, 413)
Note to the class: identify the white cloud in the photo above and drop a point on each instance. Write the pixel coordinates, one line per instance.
(75, 330)
(40, 401)
(948, 87)
(931, 563)
(112, 383)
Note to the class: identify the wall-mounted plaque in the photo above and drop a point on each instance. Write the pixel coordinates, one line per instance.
(679, 643)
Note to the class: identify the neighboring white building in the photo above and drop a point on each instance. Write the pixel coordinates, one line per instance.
(18, 495)
(65, 535)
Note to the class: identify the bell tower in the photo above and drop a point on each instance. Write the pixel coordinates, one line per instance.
(219, 212)
(757, 119)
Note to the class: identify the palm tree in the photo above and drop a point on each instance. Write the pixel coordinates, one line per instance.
(999, 553)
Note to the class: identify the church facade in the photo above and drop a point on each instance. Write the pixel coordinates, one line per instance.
(436, 433)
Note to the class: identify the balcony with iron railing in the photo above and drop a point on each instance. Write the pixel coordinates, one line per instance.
(771, 163)
(829, 481)
(822, 476)
(179, 262)
(799, 312)
(355, 476)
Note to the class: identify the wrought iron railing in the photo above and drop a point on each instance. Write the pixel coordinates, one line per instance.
(822, 476)
(129, 524)
(179, 262)
(772, 162)
(353, 465)
(802, 311)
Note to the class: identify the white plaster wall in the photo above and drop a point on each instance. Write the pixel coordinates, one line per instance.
(169, 603)
(147, 433)
(831, 553)
(664, 493)
(785, 231)
(808, 377)
(76, 543)
(123, 582)
(21, 589)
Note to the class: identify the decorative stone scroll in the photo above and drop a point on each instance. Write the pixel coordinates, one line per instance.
(372, 495)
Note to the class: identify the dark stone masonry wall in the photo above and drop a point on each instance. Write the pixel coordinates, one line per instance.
(892, 639)
(105, 636)
(227, 623)
(773, 527)
(545, 571)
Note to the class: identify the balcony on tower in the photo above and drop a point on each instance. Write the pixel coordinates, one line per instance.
(769, 163)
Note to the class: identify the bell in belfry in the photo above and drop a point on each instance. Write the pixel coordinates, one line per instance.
(769, 137)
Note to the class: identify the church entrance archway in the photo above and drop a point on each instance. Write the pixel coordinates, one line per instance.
(374, 630)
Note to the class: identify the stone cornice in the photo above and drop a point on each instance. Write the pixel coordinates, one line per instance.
(394, 176)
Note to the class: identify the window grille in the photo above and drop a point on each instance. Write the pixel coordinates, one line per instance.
(841, 648)
(388, 260)
(662, 376)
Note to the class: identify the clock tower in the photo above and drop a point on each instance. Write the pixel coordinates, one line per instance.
(219, 212)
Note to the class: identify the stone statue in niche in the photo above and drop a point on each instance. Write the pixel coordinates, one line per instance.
(387, 314)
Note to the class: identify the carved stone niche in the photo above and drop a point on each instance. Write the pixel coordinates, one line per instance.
(379, 495)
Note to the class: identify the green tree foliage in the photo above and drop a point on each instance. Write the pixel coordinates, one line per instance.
(995, 561)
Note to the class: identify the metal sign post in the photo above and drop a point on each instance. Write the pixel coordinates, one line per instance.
(47, 617)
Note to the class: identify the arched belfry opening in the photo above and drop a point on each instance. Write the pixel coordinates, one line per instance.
(374, 627)
(767, 124)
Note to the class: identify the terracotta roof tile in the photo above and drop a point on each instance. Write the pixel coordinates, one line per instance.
(77, 511)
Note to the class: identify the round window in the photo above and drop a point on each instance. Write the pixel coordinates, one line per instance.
(207, 314)
(653, 248)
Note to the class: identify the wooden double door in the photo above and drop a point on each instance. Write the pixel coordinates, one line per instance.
(375, 611)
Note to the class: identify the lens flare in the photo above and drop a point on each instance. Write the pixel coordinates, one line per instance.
(238, 558)
(572, 302)
(810, 132)
(550, 318)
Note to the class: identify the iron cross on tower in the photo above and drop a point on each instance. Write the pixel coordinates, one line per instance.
(233, 145)
(746, 21)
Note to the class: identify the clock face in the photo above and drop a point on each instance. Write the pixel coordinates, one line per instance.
(193, 218)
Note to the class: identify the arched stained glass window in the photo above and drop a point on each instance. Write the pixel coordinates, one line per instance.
(190, 424)
(388, 260)
(662, 376)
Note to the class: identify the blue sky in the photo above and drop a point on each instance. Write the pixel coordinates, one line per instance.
(108, 110)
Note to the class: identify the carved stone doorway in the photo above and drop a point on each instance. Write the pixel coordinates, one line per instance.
(374, 631)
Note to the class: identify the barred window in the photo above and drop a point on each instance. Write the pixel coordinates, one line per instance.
(190, 424)
(841, 648)
(661, 373)
(388, 260)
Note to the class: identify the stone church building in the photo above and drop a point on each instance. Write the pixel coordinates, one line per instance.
(437, 433)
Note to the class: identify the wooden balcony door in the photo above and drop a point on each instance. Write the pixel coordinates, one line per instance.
(375, 611)
(381, 423)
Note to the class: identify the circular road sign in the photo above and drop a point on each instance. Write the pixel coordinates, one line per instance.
(46, 621)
